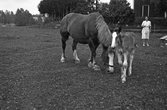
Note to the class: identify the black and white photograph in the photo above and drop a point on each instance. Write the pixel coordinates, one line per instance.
(83, 54)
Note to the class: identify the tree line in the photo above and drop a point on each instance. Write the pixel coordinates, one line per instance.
(7, 17)
(115, 11)
(59, 8)
(21, 18)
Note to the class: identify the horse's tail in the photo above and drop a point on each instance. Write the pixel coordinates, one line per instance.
(134, 37)
(63, 24)
(64, 27)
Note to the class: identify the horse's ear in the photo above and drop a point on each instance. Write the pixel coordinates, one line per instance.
(119, 29)
(111, 29)
(119, 38)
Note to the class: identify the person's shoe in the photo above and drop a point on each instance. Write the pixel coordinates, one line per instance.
(143, 44)
(147, 44)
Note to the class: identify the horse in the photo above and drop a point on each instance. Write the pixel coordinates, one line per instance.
(123, 46)
(88, 29)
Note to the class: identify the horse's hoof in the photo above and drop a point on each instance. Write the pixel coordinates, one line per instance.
(90, 65)
(62, 60)
(96, 68)
(109, 72)
(77, 61)
(130, 73)
(123, 80)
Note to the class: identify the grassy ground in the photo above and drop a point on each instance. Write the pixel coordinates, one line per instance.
(32, 77)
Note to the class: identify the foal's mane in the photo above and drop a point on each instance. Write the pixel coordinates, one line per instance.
(104, 34)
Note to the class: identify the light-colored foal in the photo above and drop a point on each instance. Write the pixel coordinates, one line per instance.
(124, 46)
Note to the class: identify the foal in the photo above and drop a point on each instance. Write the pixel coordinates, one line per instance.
(123, 46)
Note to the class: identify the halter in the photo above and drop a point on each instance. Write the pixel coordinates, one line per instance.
(108, 64)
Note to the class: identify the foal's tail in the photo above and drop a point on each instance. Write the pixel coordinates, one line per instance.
(133, 35)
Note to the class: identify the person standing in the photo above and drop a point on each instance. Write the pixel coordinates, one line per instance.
(146, 24)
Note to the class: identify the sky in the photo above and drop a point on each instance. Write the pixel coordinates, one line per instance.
(30, 5)
(13, 5)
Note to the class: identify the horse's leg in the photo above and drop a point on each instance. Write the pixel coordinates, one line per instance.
(63, 53)
(93, 53)
(92, 62)
(74, 46)
(65, 37)
(124, 67)
(111, 63)
(119, 56)
(130, 62)
(104, 56)
(95, 45)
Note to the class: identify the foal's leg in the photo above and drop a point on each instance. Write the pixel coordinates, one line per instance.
(124, 67)
(74, 45)
(130, 62)
(119, 55)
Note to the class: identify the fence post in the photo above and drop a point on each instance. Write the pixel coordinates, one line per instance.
(154, 27)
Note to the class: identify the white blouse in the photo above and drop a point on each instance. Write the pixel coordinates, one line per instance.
(146, 24)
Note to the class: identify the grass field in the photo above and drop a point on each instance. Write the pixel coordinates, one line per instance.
(32, 77)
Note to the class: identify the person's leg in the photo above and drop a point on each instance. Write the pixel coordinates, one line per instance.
(147, 44)
(143, 38)
(147, 40)
(144, 42)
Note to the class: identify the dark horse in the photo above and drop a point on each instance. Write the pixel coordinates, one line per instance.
(85, 29)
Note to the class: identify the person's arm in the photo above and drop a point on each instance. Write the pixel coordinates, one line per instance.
(150, 26)
(143, 25)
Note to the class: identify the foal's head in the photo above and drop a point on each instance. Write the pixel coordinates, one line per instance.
(115, 37)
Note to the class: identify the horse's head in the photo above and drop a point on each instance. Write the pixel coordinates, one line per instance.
(116, 34)
(108, 52)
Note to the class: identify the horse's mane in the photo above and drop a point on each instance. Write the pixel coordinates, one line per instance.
(104, 34)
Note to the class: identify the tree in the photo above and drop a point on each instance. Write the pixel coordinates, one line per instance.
(59, 8)
(160, 5)
(23, 17)
(56, 8)
(2, 17)
(84, 7)
(7, 17)
(12, 16)
(118, 11)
